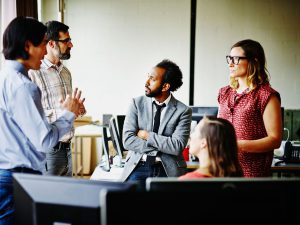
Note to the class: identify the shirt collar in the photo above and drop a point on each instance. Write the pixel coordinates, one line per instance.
(17, 66)
(166, 101)
(46, 64)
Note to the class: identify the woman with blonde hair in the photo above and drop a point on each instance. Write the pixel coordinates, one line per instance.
(214, 143)
(253, 107)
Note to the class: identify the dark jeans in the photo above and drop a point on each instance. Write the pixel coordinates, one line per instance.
(143, 170)
(7, 209)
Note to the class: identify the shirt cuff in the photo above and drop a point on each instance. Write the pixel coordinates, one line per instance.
(70, 116)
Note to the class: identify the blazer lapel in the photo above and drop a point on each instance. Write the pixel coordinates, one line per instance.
(149, 116)
(171, 107)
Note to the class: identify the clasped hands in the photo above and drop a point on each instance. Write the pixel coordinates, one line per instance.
(74, 103)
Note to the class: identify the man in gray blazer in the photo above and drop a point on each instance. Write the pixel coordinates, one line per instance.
(157, 153)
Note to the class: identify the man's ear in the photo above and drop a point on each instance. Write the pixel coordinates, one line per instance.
(166, 87)
(51, 43)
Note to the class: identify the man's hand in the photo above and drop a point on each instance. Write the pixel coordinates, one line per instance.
(82, 110)
(143, 134)
(73, 103)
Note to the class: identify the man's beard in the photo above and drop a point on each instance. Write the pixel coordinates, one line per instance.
(65, 55)
(155, 93)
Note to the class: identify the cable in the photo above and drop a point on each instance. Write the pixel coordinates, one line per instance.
(288, 133)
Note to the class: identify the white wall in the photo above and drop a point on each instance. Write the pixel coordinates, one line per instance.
(49, 10)
(116, 42)
(1, 32)
(7, 13)
(274, 23)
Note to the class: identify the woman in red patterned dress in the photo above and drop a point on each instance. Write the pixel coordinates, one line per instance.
(253, 107)
(214, 143)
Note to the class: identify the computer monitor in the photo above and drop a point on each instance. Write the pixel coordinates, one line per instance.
(198, 112)
(120, 122)
(116, 137)
(235, 200)
(105, 157)
(206, 201)
(106, 119)
(50, 200)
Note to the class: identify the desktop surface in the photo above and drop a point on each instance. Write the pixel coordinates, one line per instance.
(114, 174)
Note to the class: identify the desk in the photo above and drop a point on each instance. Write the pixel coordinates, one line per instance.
(290, 168)
(115, 172)
(113, 175)
(284, 168)
(192, 165)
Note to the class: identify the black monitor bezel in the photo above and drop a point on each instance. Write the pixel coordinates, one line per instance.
(35, 195)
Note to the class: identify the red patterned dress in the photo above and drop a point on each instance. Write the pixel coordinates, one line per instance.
(245, 112)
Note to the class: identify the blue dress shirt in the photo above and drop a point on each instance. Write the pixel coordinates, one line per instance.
(25, 134)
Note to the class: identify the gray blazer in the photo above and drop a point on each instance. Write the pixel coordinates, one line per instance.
(171, 139)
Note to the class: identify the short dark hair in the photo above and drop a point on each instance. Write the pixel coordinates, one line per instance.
(173, 74)
(53, 29)
(18, 31)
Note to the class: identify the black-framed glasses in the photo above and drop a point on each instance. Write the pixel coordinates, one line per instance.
(234, 59)
(67, 40)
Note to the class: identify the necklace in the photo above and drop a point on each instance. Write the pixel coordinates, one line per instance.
(235, 98)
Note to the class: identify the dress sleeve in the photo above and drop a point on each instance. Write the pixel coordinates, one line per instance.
(265, 95)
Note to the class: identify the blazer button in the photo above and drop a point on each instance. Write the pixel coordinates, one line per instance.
(135, 163)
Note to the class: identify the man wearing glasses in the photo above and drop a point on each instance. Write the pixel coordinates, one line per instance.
(55, 82)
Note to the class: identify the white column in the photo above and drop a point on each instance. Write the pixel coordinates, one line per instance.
(8, 13)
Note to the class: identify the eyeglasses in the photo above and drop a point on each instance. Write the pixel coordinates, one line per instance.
(67, 40)
(234, 59)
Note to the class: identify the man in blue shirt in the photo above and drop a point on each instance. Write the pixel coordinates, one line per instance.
(25, 134)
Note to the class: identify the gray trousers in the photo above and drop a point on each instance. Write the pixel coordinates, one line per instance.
(59, 161)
